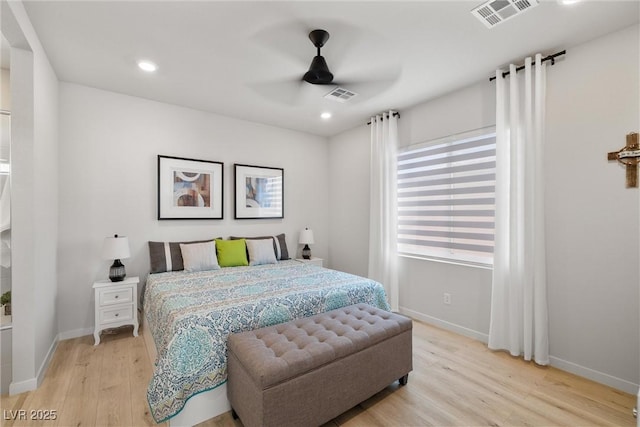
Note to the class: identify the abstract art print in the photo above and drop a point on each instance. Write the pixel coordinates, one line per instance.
(259, 192)
(189, 188)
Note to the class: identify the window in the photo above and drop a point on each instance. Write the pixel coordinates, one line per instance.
(446, 198)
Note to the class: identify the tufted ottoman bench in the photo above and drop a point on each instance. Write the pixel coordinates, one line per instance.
(308, 371)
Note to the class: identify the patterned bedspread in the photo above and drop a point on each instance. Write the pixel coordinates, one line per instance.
(191, 314)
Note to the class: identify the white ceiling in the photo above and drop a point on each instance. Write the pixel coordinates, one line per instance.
(246, 59)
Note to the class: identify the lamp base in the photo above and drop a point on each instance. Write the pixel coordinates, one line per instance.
(117, 272)
(306, 252)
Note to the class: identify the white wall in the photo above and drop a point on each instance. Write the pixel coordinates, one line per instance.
(592, 102)
(349, 199)
(108, 184)
(34, 138)
(45, 206)
(592, 219)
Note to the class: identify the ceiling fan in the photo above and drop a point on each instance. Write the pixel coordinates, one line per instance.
(364, 78)
(318, 73)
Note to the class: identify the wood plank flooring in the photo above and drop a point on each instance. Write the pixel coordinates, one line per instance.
(456, 381)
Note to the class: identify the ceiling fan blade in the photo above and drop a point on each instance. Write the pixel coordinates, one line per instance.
(290, 91)
(279, 39)
(365, 90)
(284, 91)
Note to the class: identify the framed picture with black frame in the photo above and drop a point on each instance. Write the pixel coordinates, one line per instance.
(259, 192)
(190, 188)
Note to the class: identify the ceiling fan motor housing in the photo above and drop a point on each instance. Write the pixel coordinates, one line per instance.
(319, 70)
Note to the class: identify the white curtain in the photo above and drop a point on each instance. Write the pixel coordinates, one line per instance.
(383, 260)
(519, 321)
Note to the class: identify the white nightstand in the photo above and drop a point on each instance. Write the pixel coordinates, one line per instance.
(313, 260)
(116, 305)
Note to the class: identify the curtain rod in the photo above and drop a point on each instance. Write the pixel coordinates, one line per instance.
(395, 114)
(551, 58)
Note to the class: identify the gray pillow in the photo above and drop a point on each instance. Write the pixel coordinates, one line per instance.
(199, 256)
(261, 251)
(158, 252)
(279, 245)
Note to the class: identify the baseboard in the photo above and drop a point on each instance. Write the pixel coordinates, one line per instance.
(75, 333)
(22, 386)
(574, 368)
(597, 376)
(33, 383)
(45, 363)
(445, 325)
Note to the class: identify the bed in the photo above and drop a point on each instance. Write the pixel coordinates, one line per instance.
(190, 316)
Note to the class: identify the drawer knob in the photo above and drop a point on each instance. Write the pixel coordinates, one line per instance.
(117, 314)
(117, 296)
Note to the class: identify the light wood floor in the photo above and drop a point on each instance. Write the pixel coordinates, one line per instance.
(456, 381)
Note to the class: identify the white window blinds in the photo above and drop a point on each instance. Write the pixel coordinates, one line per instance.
(446, 198)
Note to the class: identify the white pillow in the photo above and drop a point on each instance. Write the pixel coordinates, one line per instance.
(261, 252)
(199, 256)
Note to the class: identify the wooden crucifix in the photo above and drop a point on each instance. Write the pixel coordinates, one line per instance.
(629, 155)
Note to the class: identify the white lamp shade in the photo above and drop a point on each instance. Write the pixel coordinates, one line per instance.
(306, 237)
(116, 248)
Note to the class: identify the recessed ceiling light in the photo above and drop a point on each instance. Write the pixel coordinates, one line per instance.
(568, 2)
(147, 66)
(325, 115)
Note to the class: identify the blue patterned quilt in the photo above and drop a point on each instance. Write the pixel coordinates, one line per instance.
(191, 315)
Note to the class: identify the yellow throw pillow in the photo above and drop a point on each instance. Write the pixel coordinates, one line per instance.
(231, 253)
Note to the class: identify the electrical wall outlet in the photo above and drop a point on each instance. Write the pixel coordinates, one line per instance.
(447, 298)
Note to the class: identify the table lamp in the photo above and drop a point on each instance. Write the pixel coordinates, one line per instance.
(306, 239)
(116, 248)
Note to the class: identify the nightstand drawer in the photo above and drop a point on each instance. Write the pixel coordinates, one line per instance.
(115, 296)
(116, 314)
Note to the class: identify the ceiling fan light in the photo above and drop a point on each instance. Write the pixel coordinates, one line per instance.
(318, 72)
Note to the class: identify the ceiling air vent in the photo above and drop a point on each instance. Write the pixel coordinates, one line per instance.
(493, 12)
(341, 95)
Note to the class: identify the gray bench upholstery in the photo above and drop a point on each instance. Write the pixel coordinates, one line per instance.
(308, 371)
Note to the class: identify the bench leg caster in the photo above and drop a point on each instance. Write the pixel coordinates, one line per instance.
(404, 380)
(234, 414)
